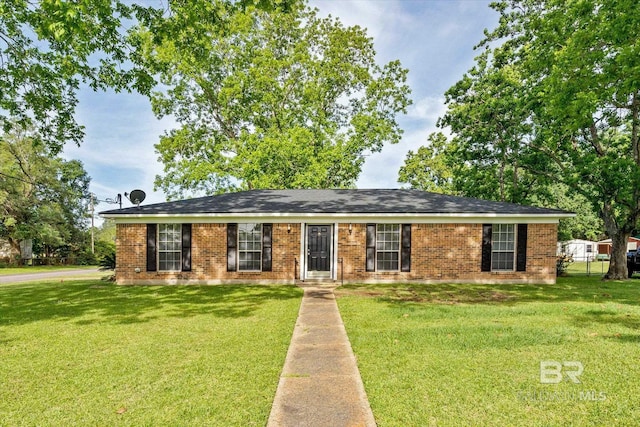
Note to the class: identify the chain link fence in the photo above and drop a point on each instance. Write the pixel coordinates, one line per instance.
(582, 259)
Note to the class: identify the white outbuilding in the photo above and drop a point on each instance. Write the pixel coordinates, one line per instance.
(580, 250)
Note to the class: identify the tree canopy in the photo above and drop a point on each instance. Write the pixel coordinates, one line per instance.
(42, 197)
(581, 68)
(428, 169)
(48, 48)
(268, 98)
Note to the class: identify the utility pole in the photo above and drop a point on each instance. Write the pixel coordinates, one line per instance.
(92, 207)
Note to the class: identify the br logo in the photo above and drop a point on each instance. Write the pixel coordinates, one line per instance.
(551, 371)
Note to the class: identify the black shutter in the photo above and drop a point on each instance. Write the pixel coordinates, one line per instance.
(521, 254)
(371, 247)
(405, 255)
(232, 249)
(186, 247)
(266, 246)
(486, 247)
(151, 247)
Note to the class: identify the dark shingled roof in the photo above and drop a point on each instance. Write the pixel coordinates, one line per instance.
(389, 201)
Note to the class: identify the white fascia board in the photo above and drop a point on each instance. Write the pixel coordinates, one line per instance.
(413, 218)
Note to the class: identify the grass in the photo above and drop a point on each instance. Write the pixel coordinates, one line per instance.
(595, 268)
(7, 271)
(451, 355)
(93, 353)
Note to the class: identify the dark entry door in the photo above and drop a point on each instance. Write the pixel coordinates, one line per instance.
(319, 248)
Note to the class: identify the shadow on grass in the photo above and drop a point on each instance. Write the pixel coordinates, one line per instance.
(614, 305)
(576, 289)
(609, 317)
(626, 338)
(104, 302)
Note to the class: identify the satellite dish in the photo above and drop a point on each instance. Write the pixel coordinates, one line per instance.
(136, 196)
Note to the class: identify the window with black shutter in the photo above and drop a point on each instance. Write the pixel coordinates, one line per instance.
(504, 247)
(388, 247)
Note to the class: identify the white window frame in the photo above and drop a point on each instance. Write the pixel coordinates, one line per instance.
(169, 246)
(503, 242)
(384, 246)
(250, 229)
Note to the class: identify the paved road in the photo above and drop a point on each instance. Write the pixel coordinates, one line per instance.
(29, 277)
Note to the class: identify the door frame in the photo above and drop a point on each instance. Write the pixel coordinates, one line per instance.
(305, 274)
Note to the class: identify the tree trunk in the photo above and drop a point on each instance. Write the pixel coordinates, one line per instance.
(501, 177)
(618, 264)
(15, 245)
(619, 234)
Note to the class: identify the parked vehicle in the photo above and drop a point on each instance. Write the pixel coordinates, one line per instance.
(633, 261)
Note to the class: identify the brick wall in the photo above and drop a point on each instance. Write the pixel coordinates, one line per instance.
(451, 253)
(439, 253)
(208, 256)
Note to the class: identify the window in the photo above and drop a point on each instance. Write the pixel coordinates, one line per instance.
(589, 249)
(503, 243)
(387, 247)
(169, 247)
(249, 247)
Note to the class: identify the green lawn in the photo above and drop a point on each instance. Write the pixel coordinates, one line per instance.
(451, 355)
(93, 353)
(595, 268)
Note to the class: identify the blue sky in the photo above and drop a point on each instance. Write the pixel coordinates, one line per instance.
(434, 39)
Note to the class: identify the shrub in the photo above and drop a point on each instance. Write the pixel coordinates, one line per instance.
(86, 258)
(562, 263)
(106, 254)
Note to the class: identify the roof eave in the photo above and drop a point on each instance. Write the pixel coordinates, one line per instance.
(284, 217)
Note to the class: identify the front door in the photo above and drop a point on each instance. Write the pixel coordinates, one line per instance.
(319, 251)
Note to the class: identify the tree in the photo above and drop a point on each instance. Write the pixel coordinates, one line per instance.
(105, 245)
(582, 72)
(48, 48)
(585, 225)
(490, 134)
(491, 131)
(106, 232)
(554, 99)
(268, 98)
(428, 168)
(41, 196)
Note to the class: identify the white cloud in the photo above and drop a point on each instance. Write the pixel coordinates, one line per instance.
(378, 17)
(429, 108)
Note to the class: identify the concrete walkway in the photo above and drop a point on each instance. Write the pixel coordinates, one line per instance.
(320, 383)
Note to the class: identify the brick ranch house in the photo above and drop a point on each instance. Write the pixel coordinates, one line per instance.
(286, 236)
